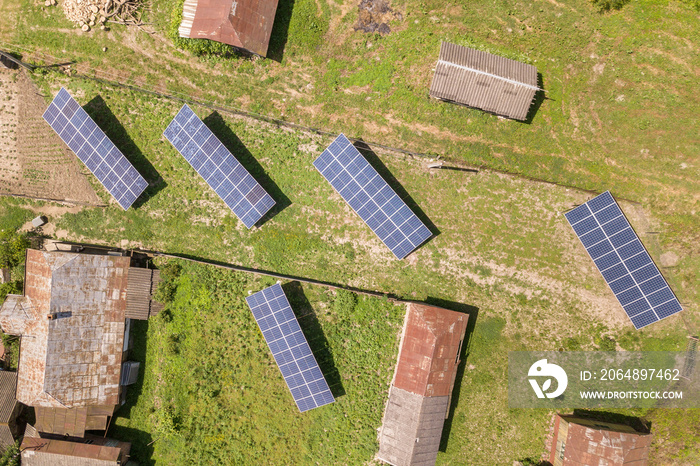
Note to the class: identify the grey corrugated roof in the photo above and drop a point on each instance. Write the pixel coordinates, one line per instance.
(142, 284)
(8, 395)
(412, 428)
(482, 80)
(6, 437)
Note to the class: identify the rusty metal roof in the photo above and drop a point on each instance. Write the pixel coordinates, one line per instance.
(430, 347)
(72, 421)
(38, 451)
(482, 80)
(72, 322)
(245, 24)
(598, 443)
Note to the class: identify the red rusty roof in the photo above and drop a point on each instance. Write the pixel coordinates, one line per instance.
(598, 443)
(430, 349)
(73, 359)
(245, 24)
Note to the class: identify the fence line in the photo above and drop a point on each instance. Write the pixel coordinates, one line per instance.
(118, 81)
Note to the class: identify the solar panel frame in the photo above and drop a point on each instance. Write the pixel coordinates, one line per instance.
(623, 261)
(213, 162)
(92, 146)
(289, 347)
(371, 197)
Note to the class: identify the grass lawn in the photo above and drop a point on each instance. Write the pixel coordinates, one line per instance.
(502, 246)
(620, 114)
(620, 109)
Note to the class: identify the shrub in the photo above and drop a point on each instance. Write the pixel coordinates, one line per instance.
(606, 343)
(12, 248)
(11, 456)
(169, 273)
(344, 303)
(165, 293)
(607, 5)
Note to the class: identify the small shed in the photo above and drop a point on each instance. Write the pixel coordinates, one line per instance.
(9, 409)
(140, 288)
(41, 450)
(485, 81)
(587, 442)
(419, 397)
(244, 24)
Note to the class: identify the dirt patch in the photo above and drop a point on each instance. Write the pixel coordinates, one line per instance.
(375, 15)
(35, 162)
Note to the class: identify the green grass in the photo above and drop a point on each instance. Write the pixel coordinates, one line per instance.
(503, 246)
(212, 393)
(495, 251)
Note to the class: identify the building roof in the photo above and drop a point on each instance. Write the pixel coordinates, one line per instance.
(8, 408)
(482, 80)
(37, 451)
(412, 428)
(430, 347)
(8, 395)
(419, 398)
(72, 421)
(246, 24)
(597, 443)
(71, 319)
(141, 286)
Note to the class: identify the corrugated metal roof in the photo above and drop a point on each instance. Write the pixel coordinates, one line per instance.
(412, 428)
(72, 421)
(8, 395)
(52, 452)
(72, 359)
(429, 353)
(245, 24)
(482, 80)
(420, 394)
(142, 284)
(599, 443)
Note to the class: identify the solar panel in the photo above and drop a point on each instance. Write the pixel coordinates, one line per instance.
(289, 347)
(226, 176)
(621, 258)
(94, 149)
(371, 197)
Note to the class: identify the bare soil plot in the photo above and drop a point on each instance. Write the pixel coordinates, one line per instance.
(34, 162)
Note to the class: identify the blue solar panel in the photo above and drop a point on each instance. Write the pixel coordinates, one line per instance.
(289, 347)
(94, 149)
(621, 258)
(210, 158)
(371, 197)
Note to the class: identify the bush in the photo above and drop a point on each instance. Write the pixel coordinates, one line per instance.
(165, 293)
(12, 248)
(344, 303)
(607, 5)
(572, 344)
(606, 343)
(169, 273)
(11, 456)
